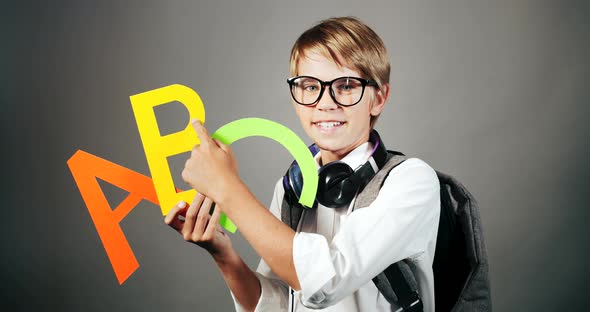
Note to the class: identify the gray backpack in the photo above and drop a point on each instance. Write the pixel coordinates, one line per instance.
(461, 281)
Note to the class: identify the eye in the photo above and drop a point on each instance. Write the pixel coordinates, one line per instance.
(307, 84)
(347, 85)
(310, 87)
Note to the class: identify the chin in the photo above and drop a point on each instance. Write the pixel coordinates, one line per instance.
(332, 145)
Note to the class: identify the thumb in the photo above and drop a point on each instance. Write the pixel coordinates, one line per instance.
(227, 151)
(224, 147)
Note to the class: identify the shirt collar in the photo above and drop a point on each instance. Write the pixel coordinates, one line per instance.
(354, 158)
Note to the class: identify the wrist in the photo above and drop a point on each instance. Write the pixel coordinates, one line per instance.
(227, 259)
(232, 189)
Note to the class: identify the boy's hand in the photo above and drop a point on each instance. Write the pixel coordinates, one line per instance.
(199, 227)
(211, 166)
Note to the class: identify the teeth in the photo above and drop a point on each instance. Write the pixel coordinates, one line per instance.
(329, 124)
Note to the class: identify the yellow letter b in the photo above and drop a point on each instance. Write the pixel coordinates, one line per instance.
(158, 148)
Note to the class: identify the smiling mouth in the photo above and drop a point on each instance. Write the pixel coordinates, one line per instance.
(328, 124)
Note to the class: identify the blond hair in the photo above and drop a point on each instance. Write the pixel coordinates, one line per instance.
(349, 42)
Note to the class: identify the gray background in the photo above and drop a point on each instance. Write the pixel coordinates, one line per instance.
(493, 92)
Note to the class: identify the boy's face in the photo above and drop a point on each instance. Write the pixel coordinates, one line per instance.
(335, 129)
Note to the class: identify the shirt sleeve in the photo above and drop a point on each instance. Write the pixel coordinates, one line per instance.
(274, 295)
(399, 224)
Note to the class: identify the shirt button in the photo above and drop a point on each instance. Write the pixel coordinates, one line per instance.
(318, 297)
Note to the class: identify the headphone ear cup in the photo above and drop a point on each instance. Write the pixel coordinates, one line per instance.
(336, 189)
(295, 180)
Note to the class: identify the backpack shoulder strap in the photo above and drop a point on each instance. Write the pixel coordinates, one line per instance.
(371, 190)
(397, 283)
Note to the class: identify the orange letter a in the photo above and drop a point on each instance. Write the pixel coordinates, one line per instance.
(86, 168)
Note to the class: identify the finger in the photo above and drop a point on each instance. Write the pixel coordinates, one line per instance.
(201, 133)
(212, 226)
(191, 216)
(202, 219)
(172, 219)
(228, 151)
(233, 158)
(224, 147)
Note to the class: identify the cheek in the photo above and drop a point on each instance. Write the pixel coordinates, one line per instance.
(361, 113)
(302, 112)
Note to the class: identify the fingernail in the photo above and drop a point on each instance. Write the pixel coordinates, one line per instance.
(181, 204)
(194, 121)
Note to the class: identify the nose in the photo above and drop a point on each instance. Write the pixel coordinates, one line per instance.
(326, 102)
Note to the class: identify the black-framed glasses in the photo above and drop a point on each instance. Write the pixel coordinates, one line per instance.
(345, 91)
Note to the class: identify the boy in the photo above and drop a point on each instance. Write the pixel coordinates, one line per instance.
(339, 86)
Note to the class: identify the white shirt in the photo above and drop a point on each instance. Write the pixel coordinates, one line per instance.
(337, 252)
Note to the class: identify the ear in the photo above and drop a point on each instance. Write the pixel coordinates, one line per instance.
(381, 97)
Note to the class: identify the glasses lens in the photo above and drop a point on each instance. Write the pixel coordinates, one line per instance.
(347, 91)
(306, 90)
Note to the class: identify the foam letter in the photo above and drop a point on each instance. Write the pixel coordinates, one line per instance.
(247, 127)
(86, 168)
(157, 148)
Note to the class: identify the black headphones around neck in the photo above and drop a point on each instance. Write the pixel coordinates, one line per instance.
(338, 183)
